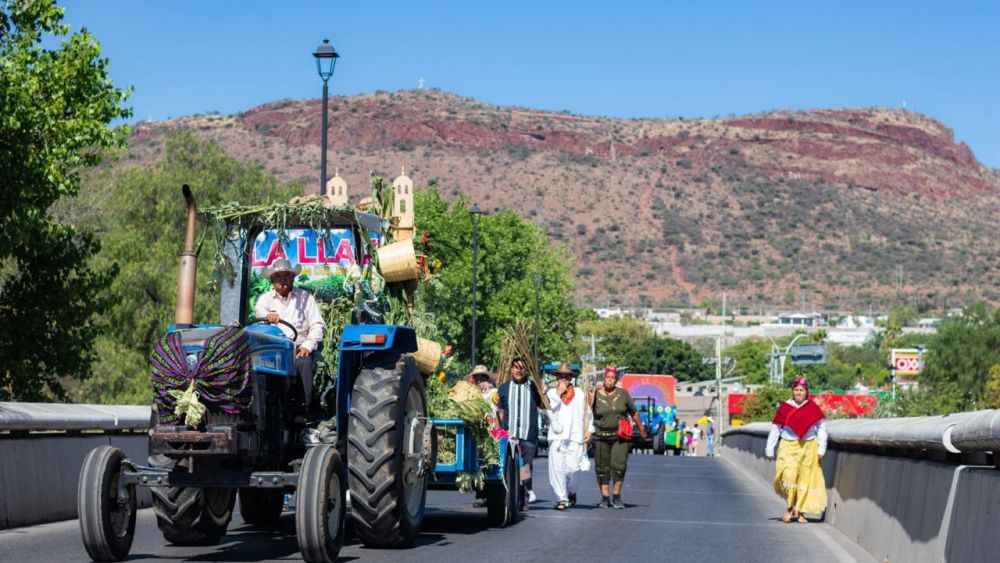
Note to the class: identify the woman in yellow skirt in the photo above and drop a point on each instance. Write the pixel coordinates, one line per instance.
(798, 479)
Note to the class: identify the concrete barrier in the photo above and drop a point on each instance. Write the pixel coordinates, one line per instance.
(39, 474)
(897, 508)
(42, 447)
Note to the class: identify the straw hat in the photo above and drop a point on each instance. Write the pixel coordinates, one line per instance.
(564, 369)
(480, 369)
(281, 265)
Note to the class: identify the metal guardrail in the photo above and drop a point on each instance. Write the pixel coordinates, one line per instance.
(964, 432)
(55, 417)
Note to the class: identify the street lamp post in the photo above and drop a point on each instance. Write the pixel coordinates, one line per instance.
(475, 212)
(326, 59)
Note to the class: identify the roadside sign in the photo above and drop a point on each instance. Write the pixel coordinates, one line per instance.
(808, 354)
(906, 361)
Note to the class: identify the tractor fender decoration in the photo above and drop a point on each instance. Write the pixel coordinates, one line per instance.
(221, 378)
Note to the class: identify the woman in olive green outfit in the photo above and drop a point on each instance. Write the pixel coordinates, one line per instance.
(610, 452)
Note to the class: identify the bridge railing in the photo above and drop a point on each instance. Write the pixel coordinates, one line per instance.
(42, 447)
(920, 489)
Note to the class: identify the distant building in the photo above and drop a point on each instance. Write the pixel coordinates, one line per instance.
(855, 321)
(801, 319)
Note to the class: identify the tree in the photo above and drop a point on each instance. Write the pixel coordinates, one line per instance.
(761, 406)
(629, 342)
(991, 398)
(140, 215)
(752, 356)
(963, 351)
(56, 105)
(512, 252)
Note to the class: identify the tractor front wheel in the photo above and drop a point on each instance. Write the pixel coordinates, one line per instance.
(385, 457)
(321, 505)
(106, 520)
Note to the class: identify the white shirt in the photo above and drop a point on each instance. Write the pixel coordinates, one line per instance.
(567, 420)
(298, 309)
(818, 432)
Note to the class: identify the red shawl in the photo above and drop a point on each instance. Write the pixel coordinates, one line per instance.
(798, 419)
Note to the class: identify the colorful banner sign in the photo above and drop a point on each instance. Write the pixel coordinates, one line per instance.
(324, 257)
(662, 388)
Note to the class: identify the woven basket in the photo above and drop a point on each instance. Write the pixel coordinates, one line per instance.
(427, 356)
(398, 261)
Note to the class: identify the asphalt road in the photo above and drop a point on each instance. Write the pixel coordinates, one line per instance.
(678, 509)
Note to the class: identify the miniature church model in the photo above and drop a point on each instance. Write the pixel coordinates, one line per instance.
(403, 206)
(336, 189)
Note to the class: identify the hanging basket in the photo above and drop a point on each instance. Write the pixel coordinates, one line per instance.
(427, 356)
(398, 261)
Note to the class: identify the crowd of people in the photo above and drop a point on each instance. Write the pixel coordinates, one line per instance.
(599, 420)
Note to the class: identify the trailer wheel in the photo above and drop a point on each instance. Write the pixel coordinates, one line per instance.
(659, 448)
(501, 498)
(262, 507)
(191, 515)
(385, 458)
(321, 505)
(106, 521)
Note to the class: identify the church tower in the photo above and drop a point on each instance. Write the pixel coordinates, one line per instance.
(336, 189)
(403, 206)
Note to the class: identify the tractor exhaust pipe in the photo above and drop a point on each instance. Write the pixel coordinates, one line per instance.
(184, 314)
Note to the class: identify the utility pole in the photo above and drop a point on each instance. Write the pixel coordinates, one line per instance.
(718, 384)
(590, 360)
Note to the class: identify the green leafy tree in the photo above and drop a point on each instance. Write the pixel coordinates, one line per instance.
(629, 342)
(991, 398)
(56, 104)
(512, 254)
(960, 356)
(140, 215)
(761, 406)
(753, 357)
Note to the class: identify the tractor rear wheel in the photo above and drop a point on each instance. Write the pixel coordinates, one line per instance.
(191, 515)
(321, 505)
(659, 448)
(107, 522)
(385, 457)
(262, 507)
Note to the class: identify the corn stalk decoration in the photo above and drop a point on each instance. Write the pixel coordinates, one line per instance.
(515, 344)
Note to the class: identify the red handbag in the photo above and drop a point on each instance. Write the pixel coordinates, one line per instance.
(624, 429)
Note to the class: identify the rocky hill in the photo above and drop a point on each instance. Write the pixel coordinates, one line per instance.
(838, 209)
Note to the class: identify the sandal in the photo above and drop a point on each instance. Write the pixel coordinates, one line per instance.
(560, 505)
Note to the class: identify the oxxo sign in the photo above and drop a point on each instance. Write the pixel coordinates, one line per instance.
(906, 361)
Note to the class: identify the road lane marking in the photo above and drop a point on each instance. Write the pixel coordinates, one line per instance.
(686, 492)
(776, 523)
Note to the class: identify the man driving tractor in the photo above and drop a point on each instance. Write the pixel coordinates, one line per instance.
(298, 308)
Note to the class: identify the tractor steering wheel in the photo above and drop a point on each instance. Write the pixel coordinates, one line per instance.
(295, 333)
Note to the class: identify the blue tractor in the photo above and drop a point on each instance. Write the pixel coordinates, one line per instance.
(657, 419)
(260, 438)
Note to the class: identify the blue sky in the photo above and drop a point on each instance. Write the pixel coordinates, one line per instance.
(620, 59)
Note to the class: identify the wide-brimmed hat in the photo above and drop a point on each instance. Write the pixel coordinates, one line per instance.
(564, 369)
(281, 265)
(480, 369)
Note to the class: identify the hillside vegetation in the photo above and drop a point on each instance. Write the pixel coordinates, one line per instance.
(836, 208)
